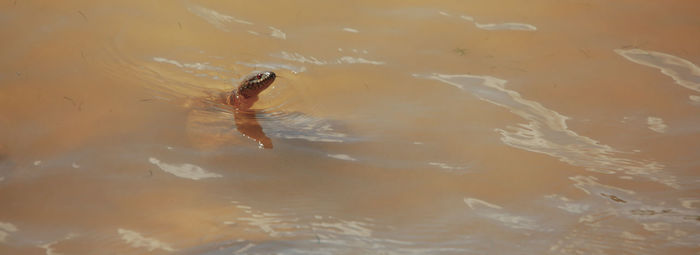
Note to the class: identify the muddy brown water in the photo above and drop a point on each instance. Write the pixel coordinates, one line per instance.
(395, 127)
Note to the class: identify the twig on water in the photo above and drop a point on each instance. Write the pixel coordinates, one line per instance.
(78, 104)
(585, 52)
(83, 14)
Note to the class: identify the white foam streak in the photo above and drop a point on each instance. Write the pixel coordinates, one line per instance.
(196, 66)
(682, 71)
(445, 166)
(695, 99)
(48, 249)
(5, 229)
(354, 60)
(494, 212)
(351, 30)
(466, 17)
(475, 203)
(499, 26)
(506, 26)
(274, 66)
(277, 33)
(187, 171)
(301, 59)
(566, 204)
(546, 131)
(343, 227)
(590, 185)
(342, 157)
(137, 240)
(656, 124)
(313, 60)
(311, 138)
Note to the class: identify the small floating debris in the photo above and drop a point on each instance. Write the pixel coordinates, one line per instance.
(83, 15)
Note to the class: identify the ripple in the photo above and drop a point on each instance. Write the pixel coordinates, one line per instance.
(546, 131)
(215, 18)
(196, 66)
(223, 22)
(166, 78)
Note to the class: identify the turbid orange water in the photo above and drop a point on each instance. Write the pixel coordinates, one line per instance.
(394, 127)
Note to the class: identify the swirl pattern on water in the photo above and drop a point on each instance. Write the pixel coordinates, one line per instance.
(547, 132)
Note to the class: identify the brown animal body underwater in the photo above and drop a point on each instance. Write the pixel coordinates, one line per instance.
(242, 99)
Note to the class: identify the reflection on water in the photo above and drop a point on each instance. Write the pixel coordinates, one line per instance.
(405, 128)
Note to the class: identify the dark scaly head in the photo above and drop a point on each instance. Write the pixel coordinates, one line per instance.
(255, 83)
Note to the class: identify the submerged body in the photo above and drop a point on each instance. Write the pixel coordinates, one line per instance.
(242, 99)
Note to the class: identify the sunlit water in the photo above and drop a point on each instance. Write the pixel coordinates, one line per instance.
(404, 127)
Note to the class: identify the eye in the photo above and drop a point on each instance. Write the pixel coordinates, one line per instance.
(259, 76)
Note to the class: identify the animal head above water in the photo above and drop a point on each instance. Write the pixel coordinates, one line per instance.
(255, 83)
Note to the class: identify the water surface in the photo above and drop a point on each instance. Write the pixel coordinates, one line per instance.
(396, 127)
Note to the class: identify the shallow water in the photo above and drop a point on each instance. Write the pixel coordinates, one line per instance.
(396, 127)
